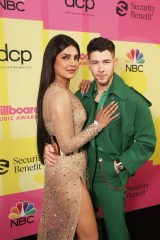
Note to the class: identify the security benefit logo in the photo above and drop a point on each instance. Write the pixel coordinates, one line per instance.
(4, 166)
(122, 8)
(137, 190)
(141, 11)
(135, 61)
(22, 213)
(26, 164)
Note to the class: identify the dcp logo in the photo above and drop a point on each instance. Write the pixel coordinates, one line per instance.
(87, 4)
(15, 55)
(122, 8)
(4, 166)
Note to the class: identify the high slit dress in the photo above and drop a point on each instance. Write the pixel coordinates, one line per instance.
(64, 118)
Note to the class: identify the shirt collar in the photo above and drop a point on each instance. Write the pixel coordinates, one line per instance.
(96, 91)
(117, 87)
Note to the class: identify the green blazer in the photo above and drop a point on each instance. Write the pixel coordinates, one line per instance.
(130, 137)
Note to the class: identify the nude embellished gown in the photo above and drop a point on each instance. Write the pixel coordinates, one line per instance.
(64, 118)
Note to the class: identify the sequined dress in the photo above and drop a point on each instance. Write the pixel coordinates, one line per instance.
(64, 118)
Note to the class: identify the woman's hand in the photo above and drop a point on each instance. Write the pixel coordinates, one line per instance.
(49, 156)
(105, 115)
(84, 86)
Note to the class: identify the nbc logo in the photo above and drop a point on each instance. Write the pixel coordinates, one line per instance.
(22, 213)
(135, 58)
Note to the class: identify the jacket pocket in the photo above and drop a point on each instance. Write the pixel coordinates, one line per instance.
(128, 129)
(115, 136)
(108, 168)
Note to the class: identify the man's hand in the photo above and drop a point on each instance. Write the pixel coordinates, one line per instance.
(49, 157)
(84, 86)
(115, 167)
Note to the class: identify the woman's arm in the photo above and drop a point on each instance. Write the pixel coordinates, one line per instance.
(63, 123)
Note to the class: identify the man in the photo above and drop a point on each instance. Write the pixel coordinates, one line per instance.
(122, 147)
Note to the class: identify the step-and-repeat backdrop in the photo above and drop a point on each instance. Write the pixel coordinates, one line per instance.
(26, 26)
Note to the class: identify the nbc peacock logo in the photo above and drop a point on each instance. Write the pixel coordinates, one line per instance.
(134, 61)
(135, 56)
(22, 213)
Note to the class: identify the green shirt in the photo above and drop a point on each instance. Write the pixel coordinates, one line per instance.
(98, 106)
(102, 99)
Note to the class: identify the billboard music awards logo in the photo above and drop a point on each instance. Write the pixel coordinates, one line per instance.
(13, 55)
(83, 59)
(21, 214)
(9, 113)
(135, 10)
(135, 59)
(4, 166)
(12, 5)
(86, 6)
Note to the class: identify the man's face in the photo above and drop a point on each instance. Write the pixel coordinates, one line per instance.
(102, 66)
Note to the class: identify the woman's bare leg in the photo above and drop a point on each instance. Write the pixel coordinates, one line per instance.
(86, 227)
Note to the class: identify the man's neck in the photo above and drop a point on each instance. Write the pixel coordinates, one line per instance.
(101, 88)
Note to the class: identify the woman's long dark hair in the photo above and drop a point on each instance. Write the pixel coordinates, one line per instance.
(56, 45)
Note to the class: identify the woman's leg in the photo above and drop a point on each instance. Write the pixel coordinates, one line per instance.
(86, 227)
(61, 205)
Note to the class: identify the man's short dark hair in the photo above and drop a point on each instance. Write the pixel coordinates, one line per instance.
(100, 44)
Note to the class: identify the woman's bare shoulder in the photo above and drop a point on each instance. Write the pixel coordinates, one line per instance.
(56, 93)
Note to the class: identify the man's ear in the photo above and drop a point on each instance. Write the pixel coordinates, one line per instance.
(115, 62)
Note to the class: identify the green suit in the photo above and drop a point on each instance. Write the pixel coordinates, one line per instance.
(129, 138)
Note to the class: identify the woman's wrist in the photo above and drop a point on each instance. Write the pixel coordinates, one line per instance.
(97, 124)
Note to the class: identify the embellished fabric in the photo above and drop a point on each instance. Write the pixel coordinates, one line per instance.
(64, 118)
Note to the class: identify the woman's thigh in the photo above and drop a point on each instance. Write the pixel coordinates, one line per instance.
(86, 227)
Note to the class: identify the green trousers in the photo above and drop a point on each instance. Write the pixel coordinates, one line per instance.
(112, 204)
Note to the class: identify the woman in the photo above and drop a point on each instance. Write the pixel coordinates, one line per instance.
(67, 206)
